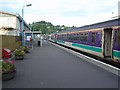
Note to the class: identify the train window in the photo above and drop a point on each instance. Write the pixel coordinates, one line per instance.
(70, 37)
(118, 36)
(76, 38)
(83, 37)
(93, 37)
(60, 37)
(85, 34)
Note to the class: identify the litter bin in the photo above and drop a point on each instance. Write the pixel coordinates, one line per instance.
(7, 53)
(38, 43)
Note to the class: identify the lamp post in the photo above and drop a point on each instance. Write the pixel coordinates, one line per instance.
(23, 42)
(119, 9)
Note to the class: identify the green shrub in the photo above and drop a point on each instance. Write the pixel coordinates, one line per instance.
(19, 52)
(25, 48)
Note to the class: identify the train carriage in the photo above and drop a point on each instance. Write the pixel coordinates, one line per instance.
(116, 44)
(100, 39)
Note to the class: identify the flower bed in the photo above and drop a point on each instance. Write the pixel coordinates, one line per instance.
(19, 54)
(8, 70)
(25, 48)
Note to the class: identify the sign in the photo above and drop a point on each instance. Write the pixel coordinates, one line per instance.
(28, 38)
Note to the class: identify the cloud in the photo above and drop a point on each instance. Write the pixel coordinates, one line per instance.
(67, 12)
(69, 21)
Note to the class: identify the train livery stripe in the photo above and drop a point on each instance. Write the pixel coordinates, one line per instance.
(60, 41)
(93, 48)
(116, 54)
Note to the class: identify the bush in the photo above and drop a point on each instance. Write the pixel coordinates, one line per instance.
(25, 48)
(19, 52)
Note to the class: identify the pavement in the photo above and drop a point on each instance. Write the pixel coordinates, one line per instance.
(51, 67)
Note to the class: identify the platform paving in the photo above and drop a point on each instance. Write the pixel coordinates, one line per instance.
(52, 67)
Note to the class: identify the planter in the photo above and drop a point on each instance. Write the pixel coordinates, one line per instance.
(26, 51)
(8, 76)
(19, 57)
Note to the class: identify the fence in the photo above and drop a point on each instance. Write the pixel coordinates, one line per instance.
(11, 42)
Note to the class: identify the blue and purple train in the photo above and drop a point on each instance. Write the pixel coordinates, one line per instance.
(100, 39)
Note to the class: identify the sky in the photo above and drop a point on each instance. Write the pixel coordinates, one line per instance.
(63, 12)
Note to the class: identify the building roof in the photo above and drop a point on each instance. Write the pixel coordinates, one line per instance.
(7, 13)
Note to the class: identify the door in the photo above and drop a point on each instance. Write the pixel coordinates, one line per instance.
(107, 43)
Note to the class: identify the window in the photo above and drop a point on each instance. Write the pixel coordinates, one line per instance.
(75, 37)
(59, 37)
(84, 37)
(70, 37)
(117, 36)
(93, 37)
(64, 36)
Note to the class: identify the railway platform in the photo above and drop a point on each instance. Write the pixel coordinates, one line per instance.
(52, 67)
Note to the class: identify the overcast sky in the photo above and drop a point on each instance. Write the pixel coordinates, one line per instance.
(63, 12)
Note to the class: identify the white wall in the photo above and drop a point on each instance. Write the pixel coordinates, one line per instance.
(8, 22)
(18, 26)
(12, 21)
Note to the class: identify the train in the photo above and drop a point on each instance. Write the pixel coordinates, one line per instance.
(100, 39)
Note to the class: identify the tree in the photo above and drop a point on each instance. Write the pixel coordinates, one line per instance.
(47, 27)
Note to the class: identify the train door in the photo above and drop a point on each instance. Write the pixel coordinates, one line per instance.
(55, 37)
(107, 48)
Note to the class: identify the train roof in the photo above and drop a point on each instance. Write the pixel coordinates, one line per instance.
(105, 24)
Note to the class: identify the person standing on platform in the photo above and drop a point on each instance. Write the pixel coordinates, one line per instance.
(41, 40)
(31, 42)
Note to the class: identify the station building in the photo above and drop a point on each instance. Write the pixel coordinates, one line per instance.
(10, 30)
(11, 24)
